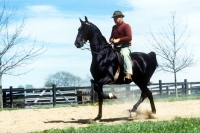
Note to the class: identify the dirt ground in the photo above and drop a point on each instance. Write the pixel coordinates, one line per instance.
(28, 120)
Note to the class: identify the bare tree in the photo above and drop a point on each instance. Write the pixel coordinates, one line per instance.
(63, 78)
(14, 51)
(171, 47)
(87, 80)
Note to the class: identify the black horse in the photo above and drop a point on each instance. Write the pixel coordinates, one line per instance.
(105, 63)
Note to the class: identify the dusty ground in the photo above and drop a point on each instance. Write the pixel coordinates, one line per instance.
(28, 120)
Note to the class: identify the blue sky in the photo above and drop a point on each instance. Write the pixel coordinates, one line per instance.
(55, 24)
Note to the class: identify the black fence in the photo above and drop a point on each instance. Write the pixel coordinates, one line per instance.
(20, 97)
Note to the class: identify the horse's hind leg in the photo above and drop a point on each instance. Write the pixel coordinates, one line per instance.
(150, 96)
(145, 93)
(142, 97)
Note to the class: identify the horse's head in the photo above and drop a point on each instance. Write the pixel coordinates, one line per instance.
(83, 33)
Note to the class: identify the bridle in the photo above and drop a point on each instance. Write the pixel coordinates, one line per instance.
(89, 43)
(102, 47)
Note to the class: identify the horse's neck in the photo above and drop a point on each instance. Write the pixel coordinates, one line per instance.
(97, 43)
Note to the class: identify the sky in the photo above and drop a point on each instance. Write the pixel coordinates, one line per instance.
(55, 24)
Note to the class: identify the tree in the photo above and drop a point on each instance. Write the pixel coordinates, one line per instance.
(14, 51)
(63, 78)
(29, 86)
(20, 86)
(86, 80)
(171, 47)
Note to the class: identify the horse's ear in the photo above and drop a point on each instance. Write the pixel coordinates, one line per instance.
(86, 20)
(81, 21)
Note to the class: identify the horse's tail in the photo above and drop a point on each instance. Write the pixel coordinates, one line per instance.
(153, 56)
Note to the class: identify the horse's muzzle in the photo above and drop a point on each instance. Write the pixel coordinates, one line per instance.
(78, 44)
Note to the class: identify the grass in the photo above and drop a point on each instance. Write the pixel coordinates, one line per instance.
(177, 125)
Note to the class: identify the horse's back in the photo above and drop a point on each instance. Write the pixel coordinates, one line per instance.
(144, 61)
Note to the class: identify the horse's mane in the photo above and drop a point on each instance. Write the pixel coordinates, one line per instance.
(98, 30)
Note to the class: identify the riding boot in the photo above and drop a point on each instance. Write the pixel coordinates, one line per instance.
(128, 77)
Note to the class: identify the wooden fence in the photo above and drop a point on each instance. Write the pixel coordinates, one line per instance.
(20, 97)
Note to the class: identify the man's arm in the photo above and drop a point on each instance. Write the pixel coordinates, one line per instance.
(128, 34)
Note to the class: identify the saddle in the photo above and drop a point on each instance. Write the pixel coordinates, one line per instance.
(119, 67)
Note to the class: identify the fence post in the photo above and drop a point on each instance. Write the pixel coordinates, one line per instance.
(76, 98)
(54, 94)
(167, 90)
(160, 87)
(183, 89)
(11, 97)
(186, 86)
(4, 98)
(127, 90)
(25, 101)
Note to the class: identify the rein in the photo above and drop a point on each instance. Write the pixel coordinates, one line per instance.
(85, 42)
(104, 46)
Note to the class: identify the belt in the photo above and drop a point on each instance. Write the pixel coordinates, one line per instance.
(121, 45)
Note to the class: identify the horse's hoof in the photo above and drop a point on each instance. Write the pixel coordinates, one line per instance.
(154, 112)
(97, 119)
(132, 110)
(112, 96)
(91, 121)
(133, 114)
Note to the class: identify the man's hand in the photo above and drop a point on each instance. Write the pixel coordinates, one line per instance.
(116, 40)
(111, 40)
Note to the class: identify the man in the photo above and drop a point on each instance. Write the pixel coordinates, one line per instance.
(121, 37)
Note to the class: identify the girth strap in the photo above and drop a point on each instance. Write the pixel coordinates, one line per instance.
(119, 58)
(118, 69)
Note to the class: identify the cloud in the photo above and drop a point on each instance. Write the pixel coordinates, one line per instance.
(42, 9)
(52, 30)
(48, 24)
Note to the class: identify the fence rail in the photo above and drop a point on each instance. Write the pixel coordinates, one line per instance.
(20, 97)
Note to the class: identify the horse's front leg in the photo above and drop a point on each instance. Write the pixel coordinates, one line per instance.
(100, 99)
(98, 89)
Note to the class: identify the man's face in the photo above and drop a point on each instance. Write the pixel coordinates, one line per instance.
(118, 19)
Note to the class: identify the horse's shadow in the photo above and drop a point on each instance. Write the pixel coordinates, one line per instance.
(88, 121)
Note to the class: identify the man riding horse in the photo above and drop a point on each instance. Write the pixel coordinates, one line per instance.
(121, 37)
(105, 62)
